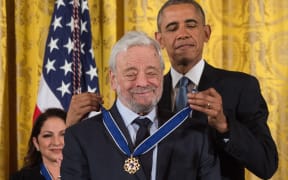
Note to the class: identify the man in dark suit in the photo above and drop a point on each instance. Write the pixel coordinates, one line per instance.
(229, 102)
(106, 146)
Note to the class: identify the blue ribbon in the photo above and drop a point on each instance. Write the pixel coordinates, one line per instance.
(152, 140)
(45, 172)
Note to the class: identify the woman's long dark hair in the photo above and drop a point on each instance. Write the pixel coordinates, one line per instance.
(33, 157)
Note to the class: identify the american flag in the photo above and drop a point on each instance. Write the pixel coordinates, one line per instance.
(69, 66)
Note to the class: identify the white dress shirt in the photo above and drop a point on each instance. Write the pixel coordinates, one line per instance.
(130, 116)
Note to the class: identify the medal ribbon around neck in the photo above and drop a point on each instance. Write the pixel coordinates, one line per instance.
(45, 172)
(150, 142)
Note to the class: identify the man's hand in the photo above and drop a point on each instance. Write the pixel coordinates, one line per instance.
(81, 105)
(210, 103)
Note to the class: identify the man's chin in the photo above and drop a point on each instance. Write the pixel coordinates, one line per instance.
(142, 107)
(184, 61)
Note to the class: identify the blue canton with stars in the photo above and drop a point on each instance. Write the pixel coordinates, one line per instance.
(57, 67)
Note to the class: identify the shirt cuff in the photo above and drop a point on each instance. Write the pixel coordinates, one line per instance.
(224, 138)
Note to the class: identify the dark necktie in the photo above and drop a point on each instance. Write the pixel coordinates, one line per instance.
(142, 133)
(181, 97)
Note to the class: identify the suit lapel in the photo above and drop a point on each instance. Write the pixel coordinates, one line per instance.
(163, 158)
(117, 117)
(164, 147)
(165, 103)
(208, 78)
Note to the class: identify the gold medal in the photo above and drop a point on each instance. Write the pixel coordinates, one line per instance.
(131, 165)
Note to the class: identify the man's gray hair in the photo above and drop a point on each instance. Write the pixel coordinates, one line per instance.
(130, 39)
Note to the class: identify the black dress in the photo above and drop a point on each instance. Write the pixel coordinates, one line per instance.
(28, 174)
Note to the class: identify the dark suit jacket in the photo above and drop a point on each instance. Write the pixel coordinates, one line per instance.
(28, 174)
(251, 144)
(90, 153)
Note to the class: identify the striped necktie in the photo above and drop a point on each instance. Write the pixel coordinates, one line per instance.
(181, 97)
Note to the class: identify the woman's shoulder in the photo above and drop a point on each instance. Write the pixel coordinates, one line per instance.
(27, 174)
